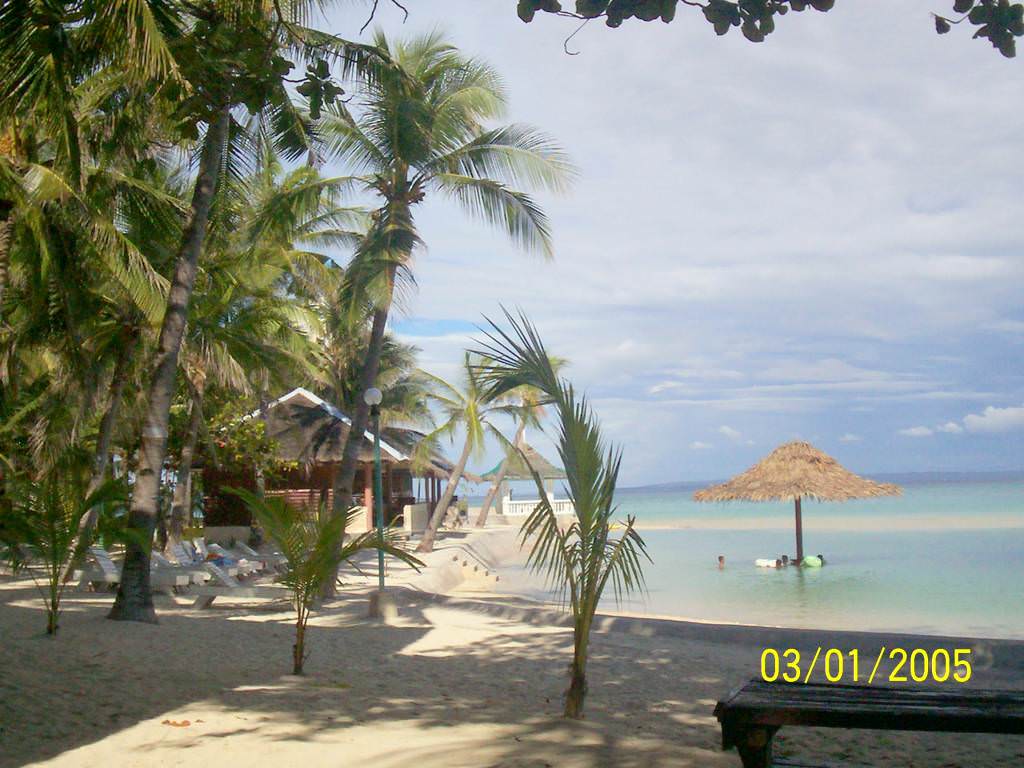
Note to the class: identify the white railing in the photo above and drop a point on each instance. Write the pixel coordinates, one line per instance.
(524, 507)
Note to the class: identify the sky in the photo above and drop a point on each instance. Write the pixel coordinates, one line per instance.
(817, 237)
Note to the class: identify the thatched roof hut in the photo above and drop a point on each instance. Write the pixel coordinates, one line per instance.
(794, 471)
(309, 430)
(517, 469)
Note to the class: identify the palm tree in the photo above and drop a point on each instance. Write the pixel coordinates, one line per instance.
(418, 129)
(45, 516)
(220, 36)
(240, 331)
(582, 558)
(530, 411)
(472, 410)
(314, 549)
(247, 328)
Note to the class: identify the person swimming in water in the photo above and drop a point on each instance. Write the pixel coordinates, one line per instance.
(721, 562)
(785, 560)
(822, 558)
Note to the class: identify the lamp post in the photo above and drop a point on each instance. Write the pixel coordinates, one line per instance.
(373, 397)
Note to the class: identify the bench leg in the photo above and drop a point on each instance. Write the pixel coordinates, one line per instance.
(203, 602)
(755, 747)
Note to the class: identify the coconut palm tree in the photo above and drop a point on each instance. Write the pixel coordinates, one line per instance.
(233, 54)
(314, 549)
(418, 129)
(530, 412)
(241, 334)
(584, 557)
(45, 517)
(472, 410)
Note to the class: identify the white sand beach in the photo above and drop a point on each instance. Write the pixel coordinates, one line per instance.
(466, 679)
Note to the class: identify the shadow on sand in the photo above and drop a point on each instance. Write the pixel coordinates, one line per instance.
(99, 678)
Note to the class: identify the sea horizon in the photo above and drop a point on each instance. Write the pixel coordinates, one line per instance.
(922, 477)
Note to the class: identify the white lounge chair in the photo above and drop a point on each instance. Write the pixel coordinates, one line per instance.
(226, 585)
(184, 557)
(272, 559)
(99, 571)
(246, 567)
(196, 573)
(110, 573)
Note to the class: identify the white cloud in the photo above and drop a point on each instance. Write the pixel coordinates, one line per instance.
(917, 432)
(1006, 326)
(950, 427)
(697, 445)
(994, 419)
(732, 434)
(828, 369)
(849, 437)
(685, 306)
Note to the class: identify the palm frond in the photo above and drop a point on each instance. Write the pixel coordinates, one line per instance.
(515, 213)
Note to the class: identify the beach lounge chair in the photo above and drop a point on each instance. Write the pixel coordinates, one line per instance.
(184, 557)
(196, 573)
(225, 585)
(228, 563)
(109, 573)
(245, 566)
(272, 559)
(100, 571)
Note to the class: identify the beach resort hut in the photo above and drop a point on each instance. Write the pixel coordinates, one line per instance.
(516, 468)
(795, 471)
(310, 435)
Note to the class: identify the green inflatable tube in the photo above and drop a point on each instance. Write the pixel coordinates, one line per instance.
(811, 561)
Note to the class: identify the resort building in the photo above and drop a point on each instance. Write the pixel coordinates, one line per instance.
(309, 434)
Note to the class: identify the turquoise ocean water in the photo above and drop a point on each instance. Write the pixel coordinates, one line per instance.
(944, 558)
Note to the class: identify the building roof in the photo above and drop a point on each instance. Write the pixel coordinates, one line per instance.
(309, 430)
(517, 469)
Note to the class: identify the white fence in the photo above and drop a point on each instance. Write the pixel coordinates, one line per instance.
(524, 507)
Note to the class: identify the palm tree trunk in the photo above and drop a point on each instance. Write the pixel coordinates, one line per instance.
(574, 697)
(101, 455)
(183, 487)
(299, 647)
(261, 479)
(134, 600)
(427, 544)
(346, 474)
(492, 492)
(5, 252)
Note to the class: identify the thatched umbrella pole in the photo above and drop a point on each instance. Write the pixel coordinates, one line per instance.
(799, 533)
(792, 471)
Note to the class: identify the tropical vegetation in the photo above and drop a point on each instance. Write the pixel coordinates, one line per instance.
(313, 550)
(43, 519)
(582, 556)
(420, 129)
(174, 252)
(470, 410)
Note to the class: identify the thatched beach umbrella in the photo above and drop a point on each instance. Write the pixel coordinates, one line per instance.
(793, 471)
(516, 468)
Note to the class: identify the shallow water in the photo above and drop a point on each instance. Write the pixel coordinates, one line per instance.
(933, 581)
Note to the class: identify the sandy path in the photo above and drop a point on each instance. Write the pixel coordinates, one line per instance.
(454, 683)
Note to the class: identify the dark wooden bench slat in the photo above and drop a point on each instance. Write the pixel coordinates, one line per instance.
(847, 706)
(751, 715)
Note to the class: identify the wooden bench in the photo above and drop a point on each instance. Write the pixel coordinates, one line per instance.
(751, 715)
